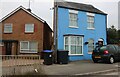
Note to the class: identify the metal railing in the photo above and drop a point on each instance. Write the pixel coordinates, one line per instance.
(20, 64)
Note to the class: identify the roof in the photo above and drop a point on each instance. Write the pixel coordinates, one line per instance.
(27, 11)
(79, 6)
(19, 8)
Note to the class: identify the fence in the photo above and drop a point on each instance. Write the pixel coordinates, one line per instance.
(20, 64)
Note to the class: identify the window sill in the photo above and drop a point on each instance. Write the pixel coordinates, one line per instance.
(7, 32)
(28, 52)
(75, 54)
(89, 52)
(29, 32)
(91, 28)
(1, 45)
(73, 27)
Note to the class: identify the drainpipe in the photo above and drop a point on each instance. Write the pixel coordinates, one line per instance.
(55, 25)
(106, 30)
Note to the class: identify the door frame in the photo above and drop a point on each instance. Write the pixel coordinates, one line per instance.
(8, 46)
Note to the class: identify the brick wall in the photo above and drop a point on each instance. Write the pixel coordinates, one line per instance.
(47, 44)
(19, 19)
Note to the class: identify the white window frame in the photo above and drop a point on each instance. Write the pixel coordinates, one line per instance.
(29, 24)
(6, 25)
(69, 45)
(1, 44)
(27, 50)
(90, 52)
(68, 42)
(76, 13)
(89, 21)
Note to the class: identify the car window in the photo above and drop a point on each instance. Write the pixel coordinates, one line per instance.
(99, 48)
(96, 49)
(119, 49)
(112, 48)
(116, 47)
(103, 48)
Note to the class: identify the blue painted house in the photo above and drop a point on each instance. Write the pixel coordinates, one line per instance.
(78, 28)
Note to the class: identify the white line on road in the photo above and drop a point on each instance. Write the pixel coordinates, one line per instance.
(98, 72)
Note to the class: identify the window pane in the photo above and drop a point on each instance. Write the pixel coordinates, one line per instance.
(79, 39)
(29, 27)
(71, 16)
(24, 45)
(8, 28)
(70, 23)
(74, 23)
(90, 45)
(33, 46)
(92, 25)
(73, 49)
(73, 19)
(90, 20)
(66, 47)
(90, 48)
(73, 40)
(66, 40)
(75, 16)
(89, 25)
(79, 50)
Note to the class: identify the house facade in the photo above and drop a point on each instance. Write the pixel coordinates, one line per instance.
(23, 32)
(79, 26)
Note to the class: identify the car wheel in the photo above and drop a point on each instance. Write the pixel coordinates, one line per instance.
(95, 61)
(111, 60)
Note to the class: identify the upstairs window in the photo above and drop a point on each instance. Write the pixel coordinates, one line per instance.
(29, 28)
(7, 28)
(90, 20)
(73, 18)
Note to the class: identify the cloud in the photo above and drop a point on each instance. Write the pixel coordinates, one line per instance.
(42, 8)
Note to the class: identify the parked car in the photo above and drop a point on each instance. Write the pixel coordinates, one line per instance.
(106, 53)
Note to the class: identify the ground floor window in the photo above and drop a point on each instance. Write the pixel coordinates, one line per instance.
(28, 46)
(90, 45)
(74, 44)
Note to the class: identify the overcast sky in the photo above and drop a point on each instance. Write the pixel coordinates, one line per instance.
(42, 8)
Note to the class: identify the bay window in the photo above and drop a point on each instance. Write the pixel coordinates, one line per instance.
(74, 44)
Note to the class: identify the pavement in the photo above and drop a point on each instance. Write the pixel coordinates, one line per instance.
(86, 67)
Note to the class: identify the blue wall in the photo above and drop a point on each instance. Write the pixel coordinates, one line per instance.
(63, 28)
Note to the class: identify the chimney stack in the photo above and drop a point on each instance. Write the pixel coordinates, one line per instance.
(29, 9)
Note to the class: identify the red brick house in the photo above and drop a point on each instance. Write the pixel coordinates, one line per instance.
(23, 32)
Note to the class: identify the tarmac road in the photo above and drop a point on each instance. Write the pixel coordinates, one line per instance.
(113, 73)
(79, 68)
